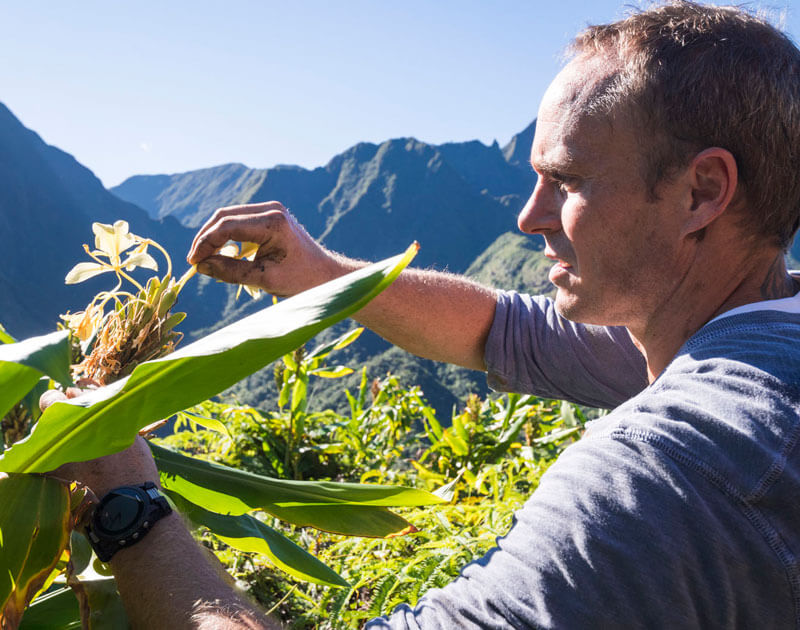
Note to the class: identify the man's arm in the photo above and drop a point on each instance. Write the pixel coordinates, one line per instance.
(166, 580)
(434, 315)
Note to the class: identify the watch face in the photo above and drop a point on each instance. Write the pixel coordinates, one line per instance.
(119, 511)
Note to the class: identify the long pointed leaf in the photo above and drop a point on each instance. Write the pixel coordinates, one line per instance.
(4, 336)
(247, 533)
(343, 508)
(106, 420)
(57, 610)
(255, 490)
(23, 363)
(34, 530)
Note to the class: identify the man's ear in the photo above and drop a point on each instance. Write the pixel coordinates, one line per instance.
(714, 177)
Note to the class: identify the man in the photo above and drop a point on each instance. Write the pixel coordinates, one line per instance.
(667, 154)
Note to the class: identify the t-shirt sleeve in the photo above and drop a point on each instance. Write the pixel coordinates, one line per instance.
(616, 536)
(532, 349)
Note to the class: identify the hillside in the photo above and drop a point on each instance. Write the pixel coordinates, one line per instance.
(369, 202)
(48, 202)
(402, 189)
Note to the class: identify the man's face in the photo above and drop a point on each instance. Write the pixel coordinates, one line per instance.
(617, 253)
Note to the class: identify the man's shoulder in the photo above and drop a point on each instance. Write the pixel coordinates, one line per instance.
(728, 405)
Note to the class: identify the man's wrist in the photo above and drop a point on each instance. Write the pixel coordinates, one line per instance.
(124, 517)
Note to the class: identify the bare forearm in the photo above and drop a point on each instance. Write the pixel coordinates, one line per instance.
(168, 581)
(434, 315)
(439, 316)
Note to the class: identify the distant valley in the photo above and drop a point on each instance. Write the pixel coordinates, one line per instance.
(459, 200)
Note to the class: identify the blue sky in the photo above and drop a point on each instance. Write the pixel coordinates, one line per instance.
(164, 87)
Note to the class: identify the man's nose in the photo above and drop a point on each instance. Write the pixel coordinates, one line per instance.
(542, 212)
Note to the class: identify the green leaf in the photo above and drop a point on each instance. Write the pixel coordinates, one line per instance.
(334, 372)
(106, 420)
(507, 438)
(345, 340)
(105, 608)
(31, 399)
(23, 363)
(454, 441)
(247, 533)
(34, 530)
(344, 508)
(212, 424)
(5, 337)
(299, 391)
(57, 610)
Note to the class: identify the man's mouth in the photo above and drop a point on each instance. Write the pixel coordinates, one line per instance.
(551, 255)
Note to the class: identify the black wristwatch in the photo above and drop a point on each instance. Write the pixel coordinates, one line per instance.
(123, 517)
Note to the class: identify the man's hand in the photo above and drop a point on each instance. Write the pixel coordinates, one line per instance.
(166, 580)
(434, 315)
(133, 466)
(288, 260)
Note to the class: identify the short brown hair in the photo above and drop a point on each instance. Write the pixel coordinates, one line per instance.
(697, 76)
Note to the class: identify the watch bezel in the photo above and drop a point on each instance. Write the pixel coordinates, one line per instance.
(130, 528)
(153, 506)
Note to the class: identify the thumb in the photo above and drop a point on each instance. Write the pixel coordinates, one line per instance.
(234, 270)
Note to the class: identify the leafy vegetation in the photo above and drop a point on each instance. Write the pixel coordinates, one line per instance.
(128, 351)
(488, 458)
(291, 485)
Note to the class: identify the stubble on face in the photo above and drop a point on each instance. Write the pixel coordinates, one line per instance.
(613, 242)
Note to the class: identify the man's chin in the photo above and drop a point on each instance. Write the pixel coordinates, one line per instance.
(567, 304)
(575, 309)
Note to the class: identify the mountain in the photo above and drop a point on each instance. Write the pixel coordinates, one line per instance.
(48, 202)
(454, 198)
(518, 151)
(371, 201)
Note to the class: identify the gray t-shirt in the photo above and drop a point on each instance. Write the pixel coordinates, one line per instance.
(680, 509)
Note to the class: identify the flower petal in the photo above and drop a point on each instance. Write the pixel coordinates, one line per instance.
(231, 250)
(140, 259)
(113, 239)
(253, 292)
(84, 271)
(249, 250)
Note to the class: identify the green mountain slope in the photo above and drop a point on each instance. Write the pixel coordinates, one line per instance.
(370, 201)
(48, 202)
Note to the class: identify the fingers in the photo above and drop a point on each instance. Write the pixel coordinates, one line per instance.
(234, 270)
(53, 395)
(49, 397)
(254, 222)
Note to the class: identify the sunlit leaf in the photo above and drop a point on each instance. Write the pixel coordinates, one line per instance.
(212, 424)
(337, 344)
(247, 533)
(345, 508)
(107, 419)
(333, 372)
(22, 364)
(5, 337)
(34, 530)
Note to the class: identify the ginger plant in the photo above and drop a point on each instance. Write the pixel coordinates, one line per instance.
(139, 326)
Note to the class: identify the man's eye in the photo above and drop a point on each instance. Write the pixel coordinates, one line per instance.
(566, 184)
